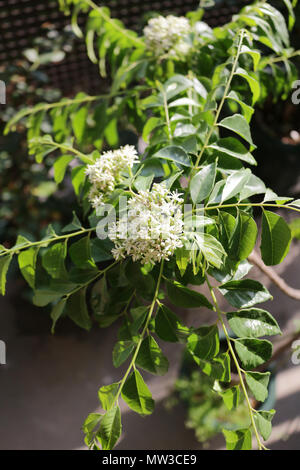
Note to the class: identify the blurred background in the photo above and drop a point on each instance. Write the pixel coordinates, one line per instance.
(49, 383)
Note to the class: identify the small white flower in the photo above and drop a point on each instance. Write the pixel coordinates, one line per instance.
(166, 35)
(154, 226)
(106, 172)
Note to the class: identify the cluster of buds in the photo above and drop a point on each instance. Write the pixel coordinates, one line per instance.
(106, 172)
(168, 35)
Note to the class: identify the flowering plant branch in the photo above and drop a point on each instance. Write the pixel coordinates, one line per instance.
(174, 210)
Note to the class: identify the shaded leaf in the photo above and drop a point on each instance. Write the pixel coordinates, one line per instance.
(151, 358)
(168, 326)
(204, 343)
(182, 296)
(121, 352)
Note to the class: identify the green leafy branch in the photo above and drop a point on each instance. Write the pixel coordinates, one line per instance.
(106, 429)
(251, 410)
(46, 241)
(115, 25)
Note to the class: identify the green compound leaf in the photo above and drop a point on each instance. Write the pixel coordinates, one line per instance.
(168, 326)
(107, 395)
(137, 395)
(275, 239)
(253, 352)
(258, 383)
(76, 309)
(151, 358)
(203, 182)
(231, 397)
(182, 296)
(110, 428)
(253, 323)
(204, 343)
(245, 293)
(238, 440)
(263, 420)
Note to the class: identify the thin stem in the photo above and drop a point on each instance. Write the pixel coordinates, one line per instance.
(220, 107)
(248, 204)
(46, 241)
(67, 148)
(239, 369)
(67, 102)
(132, 362)
(99, 273)
(273, 60)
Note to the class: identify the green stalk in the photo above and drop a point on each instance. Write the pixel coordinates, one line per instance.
(48, 241)
(132, 362)
(220, 107)
(249, 204)
(99, 273)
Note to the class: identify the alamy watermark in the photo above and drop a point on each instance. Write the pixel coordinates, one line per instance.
(2, 353)
(2, 92)
(296, 353)
(135, 223)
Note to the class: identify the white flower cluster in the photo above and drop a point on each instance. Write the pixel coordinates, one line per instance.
(153, 228)
(105, 173)
(167, 35)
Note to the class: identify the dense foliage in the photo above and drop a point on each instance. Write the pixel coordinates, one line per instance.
(186, 93)
(29, 198)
